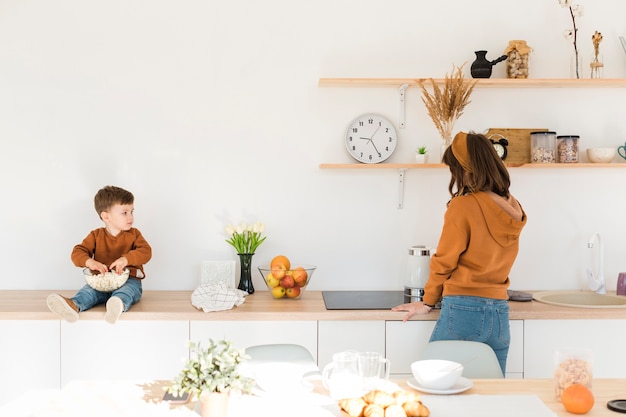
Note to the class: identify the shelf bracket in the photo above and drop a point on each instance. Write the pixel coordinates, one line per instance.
(402, 91)
(401, 173)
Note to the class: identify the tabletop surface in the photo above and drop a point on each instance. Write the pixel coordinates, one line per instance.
(119, 398)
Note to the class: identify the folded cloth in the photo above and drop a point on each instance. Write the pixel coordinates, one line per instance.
(217, 297)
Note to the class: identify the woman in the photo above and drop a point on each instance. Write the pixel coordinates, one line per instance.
(478, 245)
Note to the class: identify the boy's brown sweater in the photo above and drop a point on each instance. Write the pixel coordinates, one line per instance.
(105, 248)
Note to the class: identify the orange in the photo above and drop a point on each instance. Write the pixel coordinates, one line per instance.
(577, 399)
(280, 262)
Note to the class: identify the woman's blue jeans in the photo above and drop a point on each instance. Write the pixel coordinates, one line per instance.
(477, 319)
(129, 293)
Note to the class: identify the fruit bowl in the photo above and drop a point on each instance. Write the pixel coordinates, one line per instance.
(287, 283)
(107, 282)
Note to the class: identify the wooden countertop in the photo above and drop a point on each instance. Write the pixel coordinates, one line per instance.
(176, 305)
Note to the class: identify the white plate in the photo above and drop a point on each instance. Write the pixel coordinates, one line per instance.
(463, 384)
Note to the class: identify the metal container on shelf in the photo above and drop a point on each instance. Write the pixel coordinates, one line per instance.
(543, 147)
(567, 149)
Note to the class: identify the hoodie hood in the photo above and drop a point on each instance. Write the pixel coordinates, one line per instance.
(505, 218)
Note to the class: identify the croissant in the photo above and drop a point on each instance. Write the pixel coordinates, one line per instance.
(416, 409)
(378, 397)
(395, 410)
(353, 406)
(405, 397)
(374, 410)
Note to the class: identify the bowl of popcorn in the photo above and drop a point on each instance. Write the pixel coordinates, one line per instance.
(107, 282)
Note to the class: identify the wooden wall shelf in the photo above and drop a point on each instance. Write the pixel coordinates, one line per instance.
(482, 82)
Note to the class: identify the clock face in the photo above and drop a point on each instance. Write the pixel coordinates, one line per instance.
(371, 139)
(500, 147)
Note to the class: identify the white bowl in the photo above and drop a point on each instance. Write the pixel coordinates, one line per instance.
(107, 282)
(436, 374)
(601, 155)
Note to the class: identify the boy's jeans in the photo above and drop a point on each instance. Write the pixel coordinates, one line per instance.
(477, 319)
(130, 293)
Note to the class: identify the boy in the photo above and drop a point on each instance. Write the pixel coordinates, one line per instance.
(115, 247)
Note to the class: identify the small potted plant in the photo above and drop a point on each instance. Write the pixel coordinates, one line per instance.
(421, 157)
(210, 375)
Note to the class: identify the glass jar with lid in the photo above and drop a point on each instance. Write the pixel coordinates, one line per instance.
(543, 147)
(567, 149)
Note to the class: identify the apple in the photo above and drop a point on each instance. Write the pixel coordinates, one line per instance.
(293, 292)
(279, 271)
(287, 282)
(278, 292)
(272, 281)
(300, 276)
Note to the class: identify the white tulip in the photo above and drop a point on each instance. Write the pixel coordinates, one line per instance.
(230, 229)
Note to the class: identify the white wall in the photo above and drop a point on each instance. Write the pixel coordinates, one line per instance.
(211, 114)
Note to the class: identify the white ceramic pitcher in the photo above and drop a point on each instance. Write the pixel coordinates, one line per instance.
(341, 376)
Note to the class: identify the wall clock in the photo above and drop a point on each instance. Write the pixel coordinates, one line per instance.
(501, 147)
(371, 139)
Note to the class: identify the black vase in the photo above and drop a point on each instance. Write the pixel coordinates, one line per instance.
(245, 278)
(481, 67)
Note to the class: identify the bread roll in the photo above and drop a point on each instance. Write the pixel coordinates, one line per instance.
(405, 397)
(374, 410)
(395, 410)
(415, 409)
(378, 397)
(353, 406)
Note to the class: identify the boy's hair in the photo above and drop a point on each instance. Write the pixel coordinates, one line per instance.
(488, 171)
(110, 195)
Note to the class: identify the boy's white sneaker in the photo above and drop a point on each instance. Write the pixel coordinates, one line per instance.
(115, 307)
(63, 307)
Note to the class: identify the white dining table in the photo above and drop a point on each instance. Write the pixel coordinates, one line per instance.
(487, 397)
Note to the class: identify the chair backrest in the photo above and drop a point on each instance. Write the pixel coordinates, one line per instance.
(286, 352)
(478, 359)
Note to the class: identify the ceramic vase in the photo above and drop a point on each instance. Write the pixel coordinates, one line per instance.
(214, 404)
(245, 278)
(421, 158)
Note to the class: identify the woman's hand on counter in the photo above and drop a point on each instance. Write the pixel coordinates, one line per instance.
(413, 309)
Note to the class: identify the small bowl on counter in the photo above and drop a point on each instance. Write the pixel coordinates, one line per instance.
(287, 284)
(601, 155)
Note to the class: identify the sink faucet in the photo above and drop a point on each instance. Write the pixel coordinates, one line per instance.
(597, 284)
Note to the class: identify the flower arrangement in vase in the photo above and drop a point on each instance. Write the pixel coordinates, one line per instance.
(447, 105)
(596, 63)
(575, 10)
(421, 156)
(246, 239)
(210, 374)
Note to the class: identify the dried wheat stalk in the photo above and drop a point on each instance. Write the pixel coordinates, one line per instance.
(445, 107)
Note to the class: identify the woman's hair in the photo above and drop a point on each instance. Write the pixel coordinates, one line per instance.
(109, 195)
(487, 171)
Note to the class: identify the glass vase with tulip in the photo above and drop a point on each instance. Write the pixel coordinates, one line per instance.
(246, 239)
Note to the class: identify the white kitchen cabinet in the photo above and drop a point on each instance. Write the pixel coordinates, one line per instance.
(132, 350)
(606, 338)
(405, 341)
(29, 357)
(249, 333)
(341, 335)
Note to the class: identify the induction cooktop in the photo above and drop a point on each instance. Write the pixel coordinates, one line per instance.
(362, 300)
